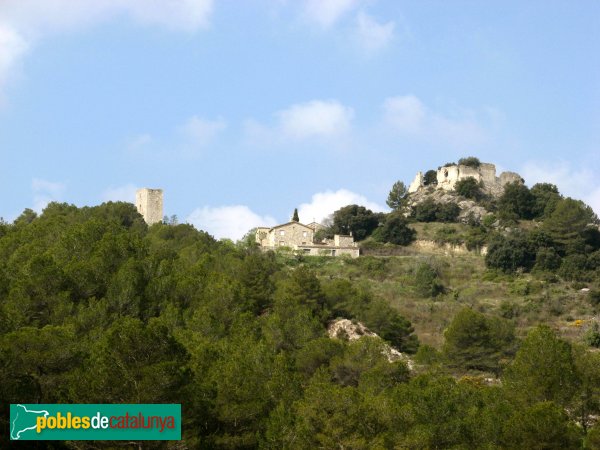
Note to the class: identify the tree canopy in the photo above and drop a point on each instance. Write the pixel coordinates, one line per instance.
(356, 220)
(397, 196)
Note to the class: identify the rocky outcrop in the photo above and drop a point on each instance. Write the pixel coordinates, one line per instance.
(448, 249)
(469, 209)
(349, 330)
(485, 173)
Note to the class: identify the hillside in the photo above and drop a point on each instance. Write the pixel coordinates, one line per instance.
(495, 317)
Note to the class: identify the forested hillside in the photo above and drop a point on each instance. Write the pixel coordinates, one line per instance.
(97, 307)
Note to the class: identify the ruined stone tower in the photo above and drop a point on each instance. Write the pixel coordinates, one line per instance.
(149, 203)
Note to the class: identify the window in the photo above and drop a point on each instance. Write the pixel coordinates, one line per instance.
(281, 243)
(281, 233)
(304, 233)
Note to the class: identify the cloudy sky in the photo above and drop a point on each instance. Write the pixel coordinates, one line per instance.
(243, 110)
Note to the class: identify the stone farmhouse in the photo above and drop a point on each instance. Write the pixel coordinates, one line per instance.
(448, 176)
(301, 238)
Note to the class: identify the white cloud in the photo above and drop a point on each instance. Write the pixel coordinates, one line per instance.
(373, 35)
(328, 12)
(35, 17)
(25, 21)
(201, 132)
(408, 115)
(185, 140)
(138, 143)
(45, 192)
(316, 118)
(405, 113)
(231, 222)
(322, 121)
(579, 183)
(125, 193)
(12, 48)
(323, 204)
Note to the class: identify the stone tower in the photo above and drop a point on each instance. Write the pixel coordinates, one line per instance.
(149, 203)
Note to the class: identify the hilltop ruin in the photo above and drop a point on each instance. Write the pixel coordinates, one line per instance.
(485, 173)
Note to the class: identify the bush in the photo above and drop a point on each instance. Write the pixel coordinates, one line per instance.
(426, 211)
(516, 202)
(573, 267)
(592, 336)
(476, 237)
(430, 211)
(546, 197)
(594, 297)
(469, 161)
(427, 282)
(430, 178)
(593, 261)
(448, 234)
(509, 253)
(395, 230)
(447, 212)
(547, 258)
(356, 220)
(468, 188)
(489, 220)
(476, 341)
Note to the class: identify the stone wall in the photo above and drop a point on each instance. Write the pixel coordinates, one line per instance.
(446, 248)
(289, 235)
(340, 240)
(448, 176)
(149, 203)
(416, 183)
(300, 238)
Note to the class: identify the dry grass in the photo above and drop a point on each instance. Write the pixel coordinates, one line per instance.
(525, 299)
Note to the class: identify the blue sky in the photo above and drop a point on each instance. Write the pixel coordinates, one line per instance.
(243, 110)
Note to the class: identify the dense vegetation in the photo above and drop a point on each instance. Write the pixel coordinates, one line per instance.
(97, 307)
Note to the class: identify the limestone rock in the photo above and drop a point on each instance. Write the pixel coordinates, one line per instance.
(448, 176)
(468, 208)
(347, 329)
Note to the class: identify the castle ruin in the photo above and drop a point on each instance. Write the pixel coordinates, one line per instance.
(485, 173)
(149, 203)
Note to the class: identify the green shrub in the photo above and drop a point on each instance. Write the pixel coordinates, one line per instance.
(469, 161)
(573, 267)
(476, 237)
(489, 220)
(509, 310)
(427, 282)
(592, 336)
(593, 262)
(594, 297)
(395, 230)
(447, 234)
(547, 258)
(427, 355)
(447, 212)
(426, 211)
(431, 211)
(476, 341)
(509, 253)
(516, 202)
(430, 178)
(469, 188)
